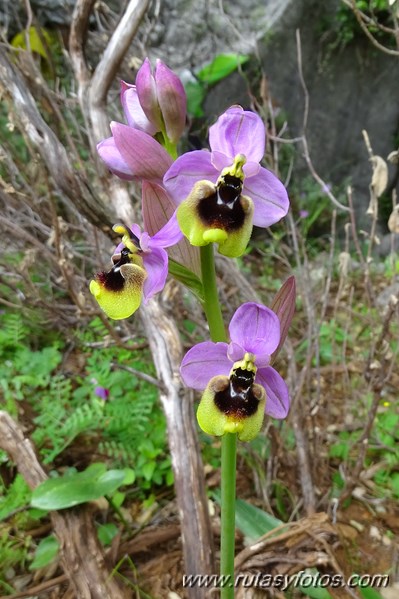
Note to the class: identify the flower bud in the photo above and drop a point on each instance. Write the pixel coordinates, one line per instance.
(147, 92)
(172, 101)
(162, 98)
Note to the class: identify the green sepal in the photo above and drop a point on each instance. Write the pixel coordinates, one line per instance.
(187, 277)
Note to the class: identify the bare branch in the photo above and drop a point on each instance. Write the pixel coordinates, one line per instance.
(359, 17)
(115, 51)
(46, 143)
(160, 329)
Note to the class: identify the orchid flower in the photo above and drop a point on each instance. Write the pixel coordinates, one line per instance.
(139, 271)
(102, 392)
(155, 106)
(221, 194)
(239, 382)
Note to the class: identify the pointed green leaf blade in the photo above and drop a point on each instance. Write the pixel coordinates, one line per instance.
(221, 67)
(76, 488)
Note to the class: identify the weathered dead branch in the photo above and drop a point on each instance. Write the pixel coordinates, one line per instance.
(46, 144)
(160, 329)
(82, 556)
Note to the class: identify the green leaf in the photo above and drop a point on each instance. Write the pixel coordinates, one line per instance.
(35, 41)
(195, 92)
(73, 489)
(369, 593)
(221, 67)
(16, 496)
(148, 470)
(118, 498)
(315, 592)
(254, 522)
(107, 532)
(395, 484)
(188, 278)
(130, 476)
(45, 552)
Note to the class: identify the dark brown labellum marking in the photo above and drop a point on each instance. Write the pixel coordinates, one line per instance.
(134, 238)
(238, 398)
(223, 209)
(113, 280)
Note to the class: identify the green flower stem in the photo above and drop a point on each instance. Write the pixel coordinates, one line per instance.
(212, 308)
(228, 508)
(229, 440)
(169, 146)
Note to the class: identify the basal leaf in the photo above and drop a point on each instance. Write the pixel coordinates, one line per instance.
(106, 533)
(254, 522)
(74, 489)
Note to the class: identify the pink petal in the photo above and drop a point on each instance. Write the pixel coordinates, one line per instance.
(277, 396)
(158, 208)
(269, 197)
(109, 153)
(134, 113)
(172, 101)
(220, 161)
(256, 329)
(147, 93)
(187, 170)
(169, 235)
(235, 352)
(146, 158)
(204, 361)
(156, 265)
(238, 131)
(284, 306)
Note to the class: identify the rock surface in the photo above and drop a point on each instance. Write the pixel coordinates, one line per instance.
(351, 87)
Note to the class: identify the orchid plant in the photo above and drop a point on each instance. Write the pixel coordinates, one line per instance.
(201, 198)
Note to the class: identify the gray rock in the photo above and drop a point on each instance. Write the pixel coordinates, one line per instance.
(351, 88)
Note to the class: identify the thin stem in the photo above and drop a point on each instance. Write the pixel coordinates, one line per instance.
(229, 440)
(227, 539)
(212, 308)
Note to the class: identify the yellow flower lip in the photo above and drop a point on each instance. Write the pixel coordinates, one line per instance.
(232, 405)
(119, 291)
(214, 236)
(219, 213)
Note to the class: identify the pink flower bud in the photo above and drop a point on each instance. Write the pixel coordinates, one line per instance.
(284, 306)
(172, 101)
(147, 92)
